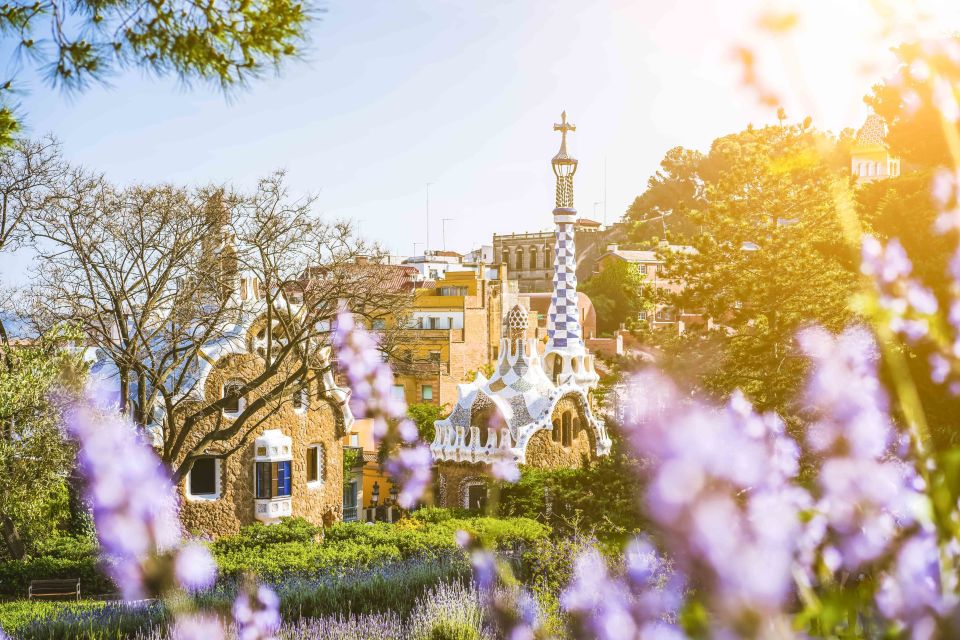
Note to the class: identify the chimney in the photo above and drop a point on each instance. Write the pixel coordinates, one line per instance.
(363, 260)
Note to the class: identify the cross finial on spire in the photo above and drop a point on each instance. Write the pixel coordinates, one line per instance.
(563, 127)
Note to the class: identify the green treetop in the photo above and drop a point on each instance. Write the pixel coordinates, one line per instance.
(770, 258)
(224, 42)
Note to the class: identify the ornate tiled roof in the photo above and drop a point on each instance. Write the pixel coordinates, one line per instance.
(873, 132)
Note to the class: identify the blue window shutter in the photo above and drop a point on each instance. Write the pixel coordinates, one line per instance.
(284, 478)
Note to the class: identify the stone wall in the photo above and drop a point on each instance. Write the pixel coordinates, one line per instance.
(545, 453)
(451, 480)
(320, 422)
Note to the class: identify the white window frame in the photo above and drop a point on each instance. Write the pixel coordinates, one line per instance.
(241, 402)
(320, 450)
(465, 497)
(206, 497)
(423, 395)
(398, 391)
(304, 397)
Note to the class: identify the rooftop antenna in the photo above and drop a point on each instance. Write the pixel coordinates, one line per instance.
(443, 227)
(428, 218)
(604, 190)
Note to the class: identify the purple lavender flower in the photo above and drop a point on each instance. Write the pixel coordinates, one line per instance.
(134, 509)
(371, 383)
(906, 302)
(256, 615)
(634, 606)
(721, 489)
(195, 568)
(598, 600)
(504, 467)
(848, 396)
(197, 627)
(887, 264)
(910, 593)
(865, 491)
(411, 467)
(483, 561)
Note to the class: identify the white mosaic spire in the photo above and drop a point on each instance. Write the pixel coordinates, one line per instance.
(563, 321)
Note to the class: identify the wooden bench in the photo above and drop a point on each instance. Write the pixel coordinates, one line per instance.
(54, 588)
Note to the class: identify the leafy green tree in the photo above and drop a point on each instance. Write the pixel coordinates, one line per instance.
(424, 414)
(673, 194)
(599, 498)
(770, 259)
(909, 103)
(618, 294)
(902, 208)
(34, 456)
(75, 43)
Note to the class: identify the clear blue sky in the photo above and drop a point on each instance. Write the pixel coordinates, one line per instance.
(393, 95)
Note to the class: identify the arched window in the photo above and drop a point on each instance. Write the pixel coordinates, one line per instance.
(519, 260)
(576, 428)
(533, 258)
(547, 260)
(565, 438)
(555, 436)
(505, 257)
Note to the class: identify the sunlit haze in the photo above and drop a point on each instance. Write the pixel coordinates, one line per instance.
(392, 96)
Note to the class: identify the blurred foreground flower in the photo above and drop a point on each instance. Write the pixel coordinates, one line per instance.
(720, 488)
(134, 508)
(637, 606)
(197, 627)
(513, 611)
(371, 385)
(256, 613)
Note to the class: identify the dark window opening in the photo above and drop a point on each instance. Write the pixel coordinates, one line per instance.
(299, 399)
(231, 393)
(203, 477)
(477, 497)
(565, 429)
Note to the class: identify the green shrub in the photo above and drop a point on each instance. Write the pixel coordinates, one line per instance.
(67, 547)
(259, 535)
(598, 498)
(448, 630)
(354, 546)
(36, 620)
(15, 575)
(438, 514)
